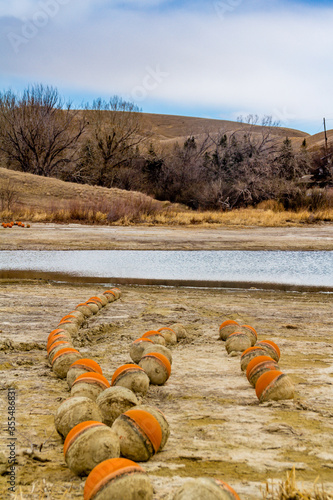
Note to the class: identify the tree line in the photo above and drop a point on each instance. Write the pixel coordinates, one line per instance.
(106, 144)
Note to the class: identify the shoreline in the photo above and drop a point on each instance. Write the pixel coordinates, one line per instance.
(47, 236)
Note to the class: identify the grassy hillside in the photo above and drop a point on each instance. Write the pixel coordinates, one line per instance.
(170, 128)
(44, 192)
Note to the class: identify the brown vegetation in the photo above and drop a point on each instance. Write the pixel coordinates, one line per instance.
(224, 166)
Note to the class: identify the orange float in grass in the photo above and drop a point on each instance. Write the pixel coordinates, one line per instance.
(132, 377)
(89, 385)
(154, 336)
(88, 444)
(63, 359)
(118, 478)
(272, 349)
(274, 385)
(249, 354)
(227, 327)
(157, 367)
(139, 433)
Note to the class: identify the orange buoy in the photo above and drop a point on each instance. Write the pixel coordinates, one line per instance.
(115, 478)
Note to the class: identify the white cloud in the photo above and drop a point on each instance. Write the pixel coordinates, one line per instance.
(266, 62)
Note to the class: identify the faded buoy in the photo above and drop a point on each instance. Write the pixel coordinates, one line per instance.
(114, 401)
(274, 385)
(56, 332)
(155, 336)
(251, 333)
(157, 367)
(132, 377)
(137, 348)
(93, 306)
(69, 326)
(73, 411)
(169, 335)
(139, 433)
(227, 328)
(205, 488)
(110, 295)
(237, 342)
(103, 298)
(96, 300)
(271, 348)
(78, 315)
(81, 366)
(88, 444)
(56, 347)
(149, 348)
(117, 479)
(84, 309)
(179, 330)
(57, 338)
(161, 418)
(89, 385)
(63, 359)
(258, 366)
(249, 354)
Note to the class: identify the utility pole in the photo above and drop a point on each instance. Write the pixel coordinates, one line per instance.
(326, 148)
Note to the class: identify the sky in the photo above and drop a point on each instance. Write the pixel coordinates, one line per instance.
(212, 59)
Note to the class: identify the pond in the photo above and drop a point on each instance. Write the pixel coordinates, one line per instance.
(197, 268)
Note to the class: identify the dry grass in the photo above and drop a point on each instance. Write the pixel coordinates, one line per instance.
(140, 211)
(289, 490)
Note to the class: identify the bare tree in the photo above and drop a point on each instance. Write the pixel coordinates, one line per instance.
(116, 132)
(38, 132)
(8, 195)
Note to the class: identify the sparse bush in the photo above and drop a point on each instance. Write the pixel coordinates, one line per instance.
(133, 209)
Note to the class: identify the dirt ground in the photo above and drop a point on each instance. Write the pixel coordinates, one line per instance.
(78, 237)
(218, 428)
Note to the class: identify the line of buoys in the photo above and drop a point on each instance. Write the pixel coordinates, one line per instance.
(103, 420)
(9, 225)
(259, 359)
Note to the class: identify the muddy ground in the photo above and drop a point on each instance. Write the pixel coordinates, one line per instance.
(217, 426)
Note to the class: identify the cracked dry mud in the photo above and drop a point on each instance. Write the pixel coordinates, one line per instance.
(217, 426)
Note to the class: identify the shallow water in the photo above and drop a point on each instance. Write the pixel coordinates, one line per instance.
(305, 268)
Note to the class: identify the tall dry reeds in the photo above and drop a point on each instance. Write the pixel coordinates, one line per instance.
(144, 210)
(290, 490)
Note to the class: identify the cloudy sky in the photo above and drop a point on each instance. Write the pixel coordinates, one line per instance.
(216, 59)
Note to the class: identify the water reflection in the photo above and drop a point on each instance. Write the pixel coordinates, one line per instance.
(296, 268)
